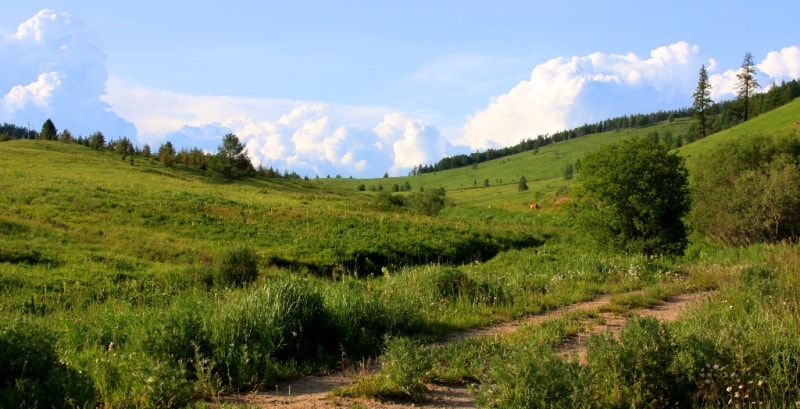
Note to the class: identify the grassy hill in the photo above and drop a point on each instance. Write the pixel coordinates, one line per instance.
(108, 275)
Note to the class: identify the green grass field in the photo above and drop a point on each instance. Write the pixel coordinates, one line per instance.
(107, 275)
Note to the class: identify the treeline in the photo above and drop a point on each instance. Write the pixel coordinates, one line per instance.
(230, 162)
(723, 115)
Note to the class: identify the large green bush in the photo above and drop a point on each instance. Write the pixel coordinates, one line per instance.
(31, 375)
(748, 191)
(632, 196)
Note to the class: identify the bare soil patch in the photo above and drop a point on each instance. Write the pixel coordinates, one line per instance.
(315, 391)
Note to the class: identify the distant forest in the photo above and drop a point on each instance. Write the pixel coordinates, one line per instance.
(723, 115)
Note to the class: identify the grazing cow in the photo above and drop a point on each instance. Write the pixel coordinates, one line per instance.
(534, 206)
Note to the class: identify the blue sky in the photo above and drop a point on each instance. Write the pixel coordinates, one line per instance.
(365, 87)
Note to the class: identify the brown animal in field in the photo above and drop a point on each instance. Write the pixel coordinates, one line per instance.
(534, 206)
(794, 128)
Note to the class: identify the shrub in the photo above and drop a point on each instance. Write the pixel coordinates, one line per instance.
(408, 366)
(452, 284)
(255, 332)
(632, 197)
(237, 267)
(636, 371)
(535, 378)
(362, 319)
(748, 191)
(181, 336)
(31, 376)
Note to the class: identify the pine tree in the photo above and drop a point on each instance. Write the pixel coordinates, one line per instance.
(747, 83)
(702, 99)
(49, 132)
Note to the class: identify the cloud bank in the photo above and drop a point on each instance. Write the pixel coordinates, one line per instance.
(566, 92)
(54, 67)
(309, 138)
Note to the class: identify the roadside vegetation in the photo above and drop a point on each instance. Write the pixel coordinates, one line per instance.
(133, 280)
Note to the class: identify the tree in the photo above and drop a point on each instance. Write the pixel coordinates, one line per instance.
(97, 141)
(632, 196)
(523, 184)
(49, 132)
(569, 171)
(166, 153)
(231, 161)
(702, 99)
(747, 83)
(66, 136)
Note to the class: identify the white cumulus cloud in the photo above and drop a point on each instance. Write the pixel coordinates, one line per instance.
(37, 93)
(54, 67)
(783, 64)
(567, 91)
(308, 138)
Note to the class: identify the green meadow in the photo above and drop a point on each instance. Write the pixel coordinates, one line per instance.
(114, 276)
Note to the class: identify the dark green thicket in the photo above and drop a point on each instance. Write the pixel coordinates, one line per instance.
(632, 197)
(31, 375)
(748, 191)
(237, 267)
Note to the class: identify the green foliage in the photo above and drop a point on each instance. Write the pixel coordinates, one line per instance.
(428, 203)
(535, 378)
(748, 191)
(31, 375)
(237, 267)
(635, 371)
(523, 184)
(632, 197)
(231, 161)
(254, 332)
(408, 366)
(569, 171)
(97, 141)
(702, 100)
(362, 318)
(166, 154)
(747, 85)
(49, 132)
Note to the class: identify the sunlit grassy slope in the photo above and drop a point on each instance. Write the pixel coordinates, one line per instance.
(544, 169)
(776, 123)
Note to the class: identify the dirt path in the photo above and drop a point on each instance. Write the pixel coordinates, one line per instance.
(314, 391)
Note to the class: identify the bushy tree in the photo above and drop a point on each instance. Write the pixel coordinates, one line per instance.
(166, 153)
(748, 191)
(231, 161)
(632, 196)
(66, 136)
(523, 184)
(49, 132)
(97, 141)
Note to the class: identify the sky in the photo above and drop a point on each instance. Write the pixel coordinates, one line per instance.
(363, 88)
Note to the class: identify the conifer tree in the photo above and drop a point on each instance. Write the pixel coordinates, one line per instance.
(702, 99)
(747, 83)
(49, 132)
